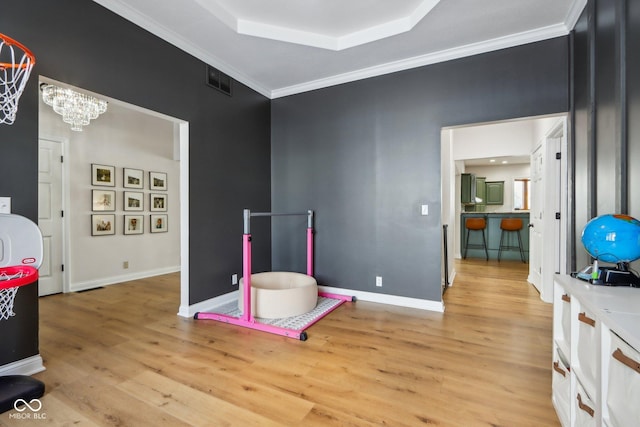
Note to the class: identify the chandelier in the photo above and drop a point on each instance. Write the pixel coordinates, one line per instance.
(76, 108)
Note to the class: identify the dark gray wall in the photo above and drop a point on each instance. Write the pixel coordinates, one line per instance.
(81, 43)
(607, 111)
(366, 154)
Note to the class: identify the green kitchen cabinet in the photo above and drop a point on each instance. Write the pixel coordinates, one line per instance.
(481, 190)
(467, 188)
(495, 192)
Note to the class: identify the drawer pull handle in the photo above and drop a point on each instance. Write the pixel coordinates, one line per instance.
(585, 408)
(626, 360)
(557, 368)
(566, 298)
(586, 319)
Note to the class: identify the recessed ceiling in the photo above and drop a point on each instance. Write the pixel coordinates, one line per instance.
(283, 47)
(327, 24)
(498, 161)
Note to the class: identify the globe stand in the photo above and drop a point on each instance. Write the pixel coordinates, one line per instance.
(620, 275)
(617, 276)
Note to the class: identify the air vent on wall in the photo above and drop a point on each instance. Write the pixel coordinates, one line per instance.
(218, 80)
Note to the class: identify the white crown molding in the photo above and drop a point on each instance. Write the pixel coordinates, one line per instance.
(171, 37)
(296, 35)
(325, 41)
(166, 34)
(574, 13)
(431, 58)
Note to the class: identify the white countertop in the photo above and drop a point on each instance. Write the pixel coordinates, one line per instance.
(616, 306)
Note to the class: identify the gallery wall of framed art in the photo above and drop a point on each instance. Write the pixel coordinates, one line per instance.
(133, 193)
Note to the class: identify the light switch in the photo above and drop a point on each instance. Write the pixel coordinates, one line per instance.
(424, 210)
(5, 205)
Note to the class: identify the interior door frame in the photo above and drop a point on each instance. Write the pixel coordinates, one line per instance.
(180, 152)
(538, 190)
(66, 201)
(555, 177)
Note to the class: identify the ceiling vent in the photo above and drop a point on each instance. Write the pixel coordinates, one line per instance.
(218, 80)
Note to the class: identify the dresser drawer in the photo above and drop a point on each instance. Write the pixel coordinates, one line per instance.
(623, 396)
(588, 347)
(565, 316)
(585, 408)
(561, 386)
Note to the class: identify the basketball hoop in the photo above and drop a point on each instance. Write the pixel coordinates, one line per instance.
(16, 62)
(11, 278)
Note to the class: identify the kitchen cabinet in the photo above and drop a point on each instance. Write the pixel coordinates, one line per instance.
(481, 190)
(596, 354)
(467, 188)
(495, 192)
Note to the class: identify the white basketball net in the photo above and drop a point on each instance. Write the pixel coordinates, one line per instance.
(13, 79)
(7, 296)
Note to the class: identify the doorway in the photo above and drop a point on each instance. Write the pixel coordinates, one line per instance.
(51, 185)
(501, 153)
(132, 138)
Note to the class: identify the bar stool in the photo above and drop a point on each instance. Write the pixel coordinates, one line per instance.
(475, 224)
(510, 225)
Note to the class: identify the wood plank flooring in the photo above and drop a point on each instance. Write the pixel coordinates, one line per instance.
(120, 356)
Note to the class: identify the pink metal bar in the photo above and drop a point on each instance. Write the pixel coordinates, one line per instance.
(310, 251)
(247, 320)
(336, 296)
(291, 333)
(247, 316)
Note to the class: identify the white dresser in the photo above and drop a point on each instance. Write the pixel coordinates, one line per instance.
(596, 354)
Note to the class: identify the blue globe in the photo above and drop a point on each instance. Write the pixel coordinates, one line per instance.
(612, 238)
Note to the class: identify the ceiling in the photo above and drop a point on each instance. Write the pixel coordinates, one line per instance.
(498, 161)
(283, 47)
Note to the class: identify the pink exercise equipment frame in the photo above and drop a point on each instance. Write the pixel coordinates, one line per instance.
(247, 319)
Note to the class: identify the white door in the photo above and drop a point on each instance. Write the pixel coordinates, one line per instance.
(550, 253)
(545, 235)
(50, 216)
(536, 227)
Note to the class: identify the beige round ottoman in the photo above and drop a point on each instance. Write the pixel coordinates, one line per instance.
(278, 294)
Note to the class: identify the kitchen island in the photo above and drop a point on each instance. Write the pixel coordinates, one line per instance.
(492, 233)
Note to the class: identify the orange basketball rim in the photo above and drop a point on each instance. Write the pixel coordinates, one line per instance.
(16, 63)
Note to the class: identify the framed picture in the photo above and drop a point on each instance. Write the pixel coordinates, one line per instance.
(133, 224)
(133, 201)
(157, 181)
(132, 178)
(158, 202)
(102, 225)
(159, 223)
(103, 175)
(103, 200)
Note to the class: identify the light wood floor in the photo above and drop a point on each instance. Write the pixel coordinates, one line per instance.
(120, 356)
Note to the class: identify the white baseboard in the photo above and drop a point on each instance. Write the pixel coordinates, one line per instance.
(29, 366)
(452, 277)
(421, 304)
(207, 305)
(211, 304)
(106, 281)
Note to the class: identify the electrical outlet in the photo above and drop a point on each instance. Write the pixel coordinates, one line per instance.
(379, 281)
(125, 264)
(5, 205)
(234, 279)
